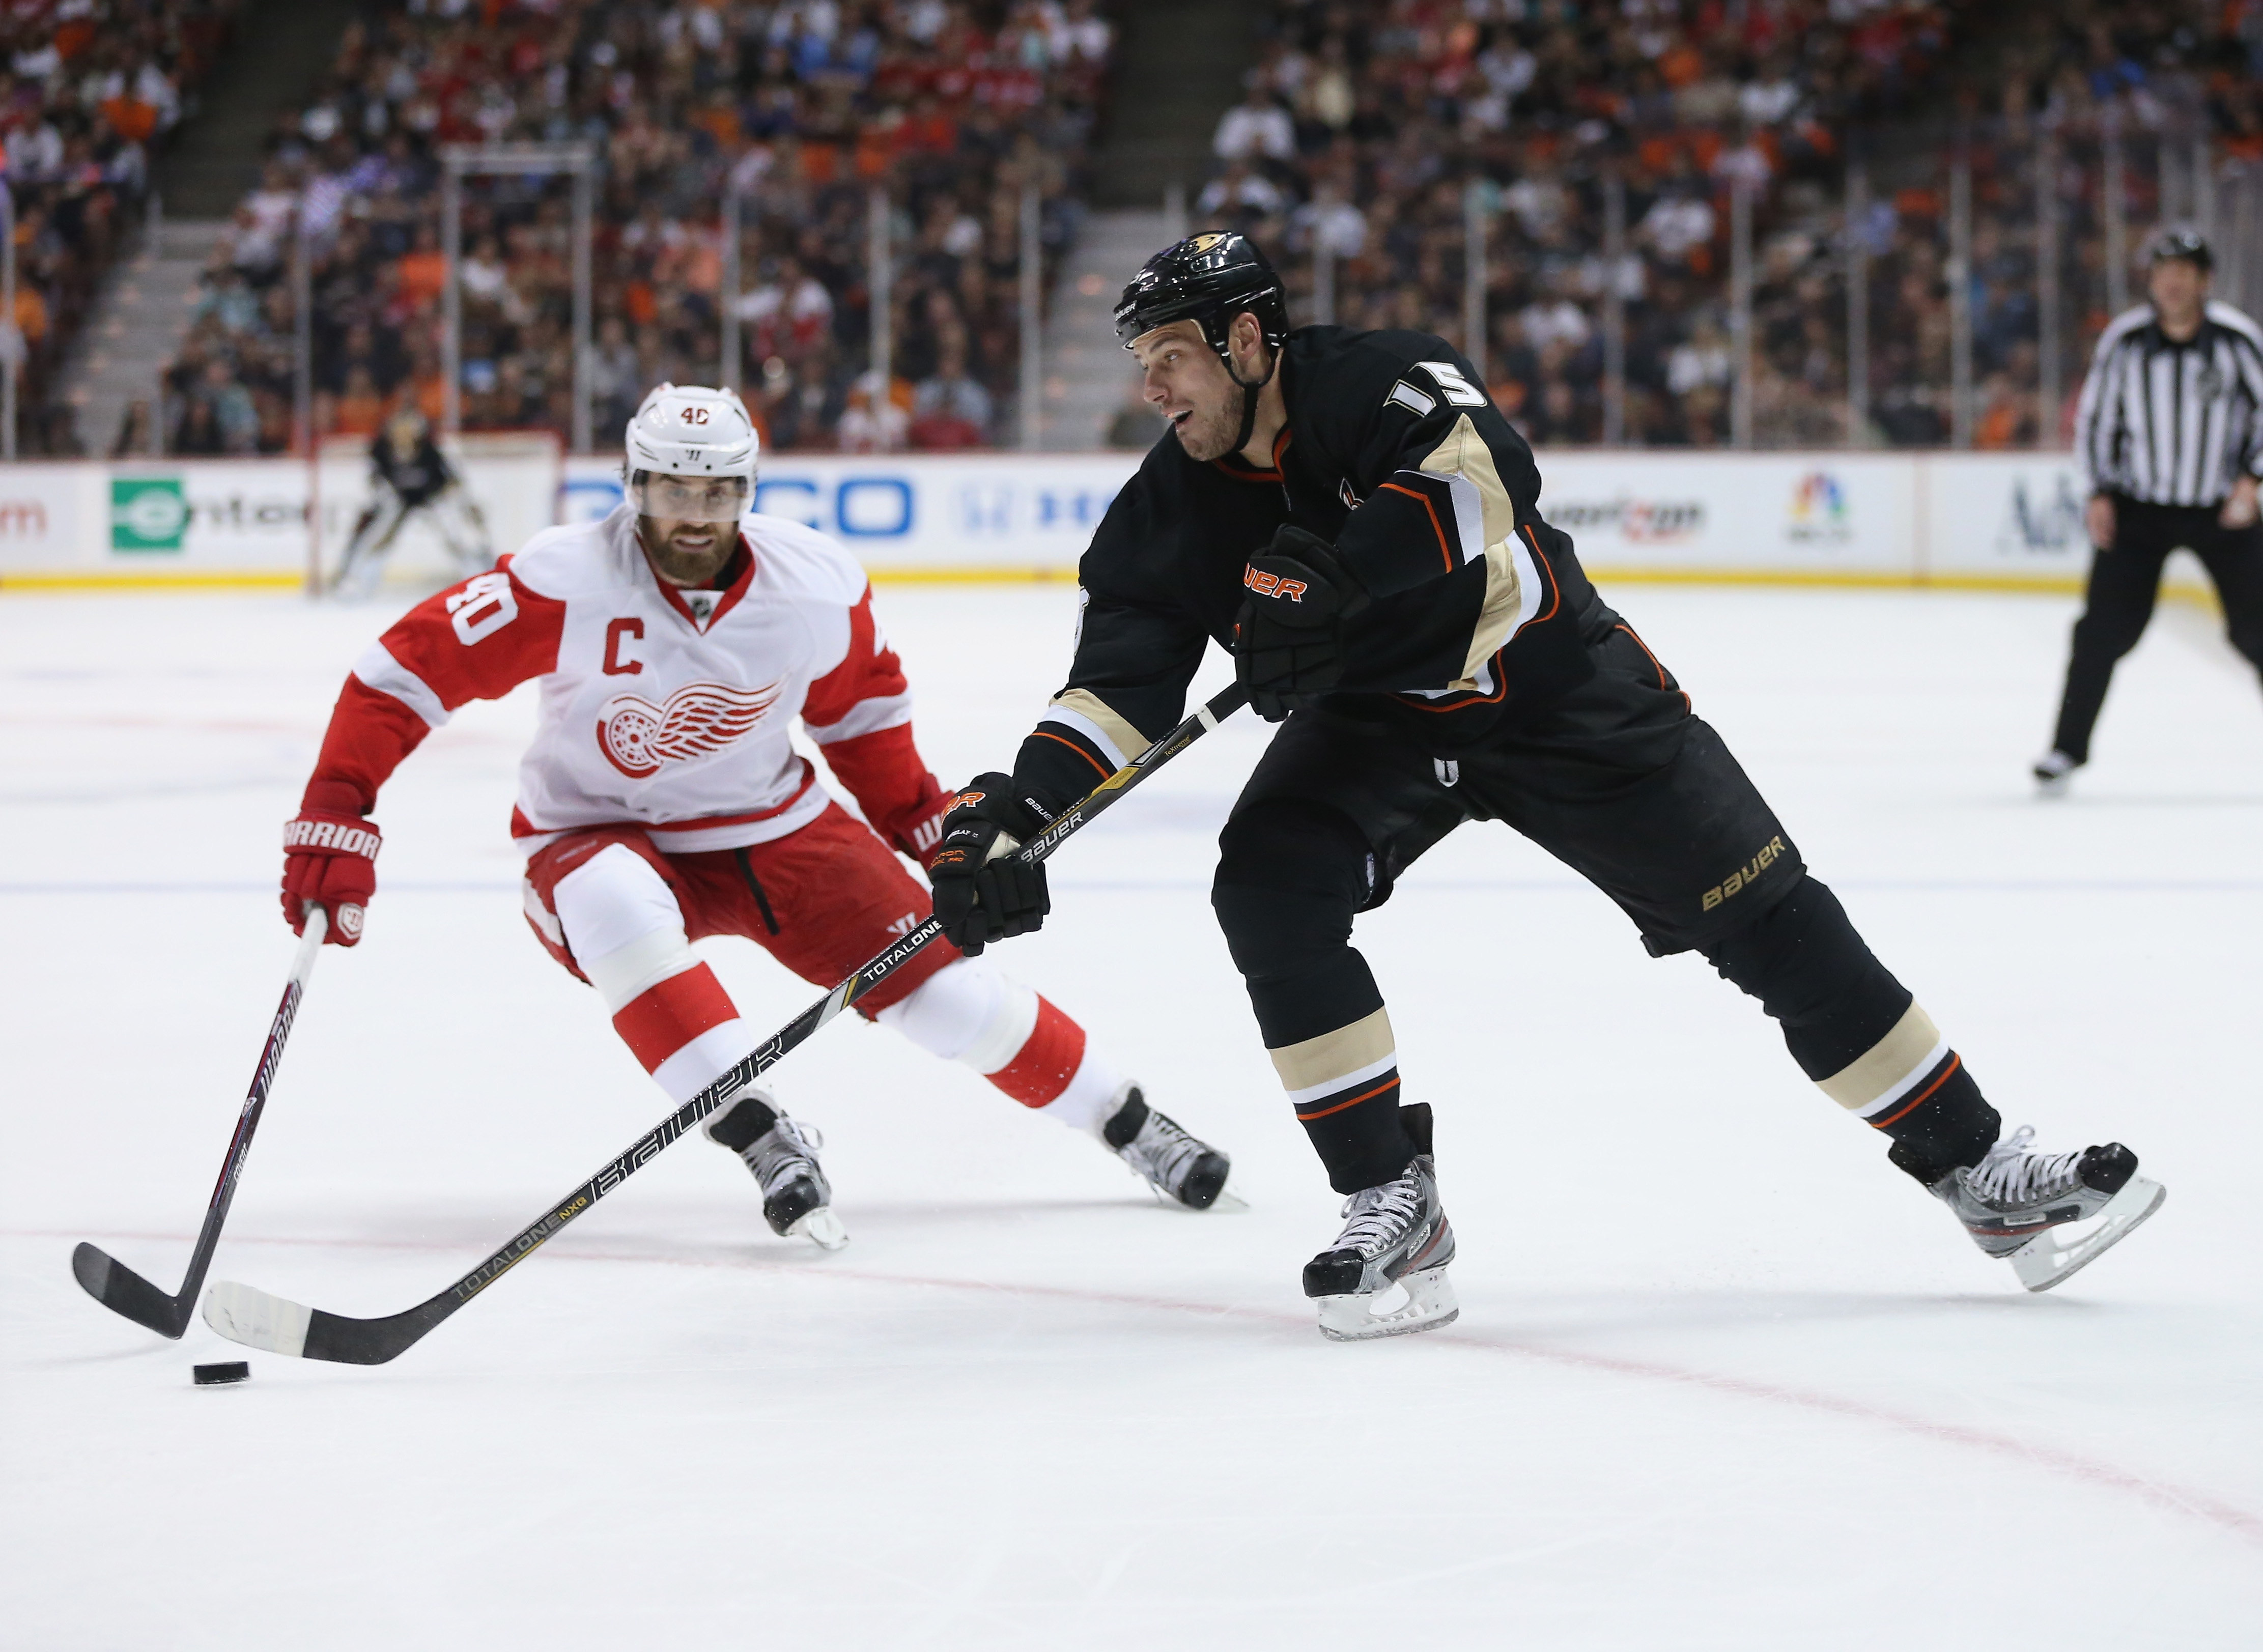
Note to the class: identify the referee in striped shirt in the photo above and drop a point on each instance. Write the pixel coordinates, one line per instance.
(2170, 434)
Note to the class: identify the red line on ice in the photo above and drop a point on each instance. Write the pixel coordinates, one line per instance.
(2228, 1517)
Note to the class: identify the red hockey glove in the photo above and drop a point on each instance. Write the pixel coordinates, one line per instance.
(918, 830)
(330, 857)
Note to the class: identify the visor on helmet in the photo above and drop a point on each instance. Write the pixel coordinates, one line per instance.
(689, 498)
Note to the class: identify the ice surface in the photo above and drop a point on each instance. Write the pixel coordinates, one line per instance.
(1723, 1379)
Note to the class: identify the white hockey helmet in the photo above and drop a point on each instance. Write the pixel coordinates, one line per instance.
(691, 455)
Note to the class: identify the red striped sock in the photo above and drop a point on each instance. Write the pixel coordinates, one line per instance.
(664, 1018)
(1041, 1069)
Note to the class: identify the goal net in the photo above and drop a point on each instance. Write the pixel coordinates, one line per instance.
(511, 477)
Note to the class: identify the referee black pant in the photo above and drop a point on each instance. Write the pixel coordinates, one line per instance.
(2125, 578)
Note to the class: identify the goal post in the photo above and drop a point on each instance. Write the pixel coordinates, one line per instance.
(515, 478)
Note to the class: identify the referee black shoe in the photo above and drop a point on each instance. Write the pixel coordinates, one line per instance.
(2052, 772)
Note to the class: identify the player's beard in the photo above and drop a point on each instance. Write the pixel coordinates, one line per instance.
(687, 566)
(1210, 436)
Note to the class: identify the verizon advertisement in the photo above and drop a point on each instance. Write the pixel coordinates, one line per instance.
(2008, 521)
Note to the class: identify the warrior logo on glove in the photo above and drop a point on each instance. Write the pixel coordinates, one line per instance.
(329, 860)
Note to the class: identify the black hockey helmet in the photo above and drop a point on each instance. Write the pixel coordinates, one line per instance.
(1207, 279)
(2187, 245)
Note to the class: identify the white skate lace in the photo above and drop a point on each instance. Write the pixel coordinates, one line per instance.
(787, 1146)
(2010, 1174)
(1379, 1215)
(1170, 1151)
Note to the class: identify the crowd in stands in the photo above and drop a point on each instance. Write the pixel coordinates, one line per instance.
(804, 106)
(87, 89)
(1362, 127)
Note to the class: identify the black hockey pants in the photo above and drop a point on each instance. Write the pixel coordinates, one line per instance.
(2125, 580)
(1619, 781)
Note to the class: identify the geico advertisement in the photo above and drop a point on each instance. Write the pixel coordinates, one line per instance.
(1002, 512)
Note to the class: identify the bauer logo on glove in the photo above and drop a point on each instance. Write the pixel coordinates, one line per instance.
(1266, 584)
(1288, 639)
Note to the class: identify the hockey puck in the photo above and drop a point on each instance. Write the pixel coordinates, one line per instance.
(226, 1371)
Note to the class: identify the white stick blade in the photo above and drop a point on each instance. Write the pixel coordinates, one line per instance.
(258, 1320)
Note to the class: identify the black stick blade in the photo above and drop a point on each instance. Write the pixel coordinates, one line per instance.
(124, 1292)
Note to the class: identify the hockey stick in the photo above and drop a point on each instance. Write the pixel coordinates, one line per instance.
(253, 1318)
(117, 1286)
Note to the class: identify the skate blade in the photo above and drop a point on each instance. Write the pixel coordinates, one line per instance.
(1227, 1201)
(820, 1227)
(2046, 1260)
(1429, 1305)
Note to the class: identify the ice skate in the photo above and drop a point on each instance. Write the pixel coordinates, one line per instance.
(2054, 771)
(2024, 1206)
(1182, 1169)
(1397, 1235)
(782, 1152)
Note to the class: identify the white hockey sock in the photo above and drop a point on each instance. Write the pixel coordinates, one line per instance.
(968, 1012)
(626, 932)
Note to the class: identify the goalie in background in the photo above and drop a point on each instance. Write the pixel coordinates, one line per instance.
(407, 475)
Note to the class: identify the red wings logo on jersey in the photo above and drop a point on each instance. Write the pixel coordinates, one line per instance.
(637, 737)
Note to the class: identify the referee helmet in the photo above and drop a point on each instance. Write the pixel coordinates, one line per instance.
(2189, 246)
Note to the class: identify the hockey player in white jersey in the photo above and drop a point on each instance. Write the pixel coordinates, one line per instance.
(661, 800)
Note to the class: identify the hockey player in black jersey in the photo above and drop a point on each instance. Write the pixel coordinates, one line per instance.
(1350, 514)
(409, 473)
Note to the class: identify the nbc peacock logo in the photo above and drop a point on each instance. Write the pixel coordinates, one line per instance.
(1818, 513)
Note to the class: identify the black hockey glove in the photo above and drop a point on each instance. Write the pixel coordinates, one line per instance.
(981, 894)
(1288, 641)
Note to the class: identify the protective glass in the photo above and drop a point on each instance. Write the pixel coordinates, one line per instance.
(689, 498)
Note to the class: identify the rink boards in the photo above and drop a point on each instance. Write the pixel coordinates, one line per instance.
(1966, 520)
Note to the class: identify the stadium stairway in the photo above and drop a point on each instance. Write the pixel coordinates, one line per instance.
(282, 52)
(1088, 376)
(1179, 65)
(137, 323)
(1179, 68)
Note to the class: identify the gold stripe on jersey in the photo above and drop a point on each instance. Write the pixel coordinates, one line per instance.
(1464, 453)
(1127, 739)
(1889, 1066)
(1326, 1060)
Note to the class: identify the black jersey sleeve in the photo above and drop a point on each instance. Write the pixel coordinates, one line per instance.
(1137, 649)
(1448, 506)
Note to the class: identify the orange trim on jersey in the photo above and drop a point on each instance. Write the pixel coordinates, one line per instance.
(1437, 527)
(1243, 470)
(1954, 1062)
(1039, 734)
(1644, 647)
(1555, 590)
(1500, 675)
(1364, 1095)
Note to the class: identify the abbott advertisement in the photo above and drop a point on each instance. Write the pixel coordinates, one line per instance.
(1996, 521)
